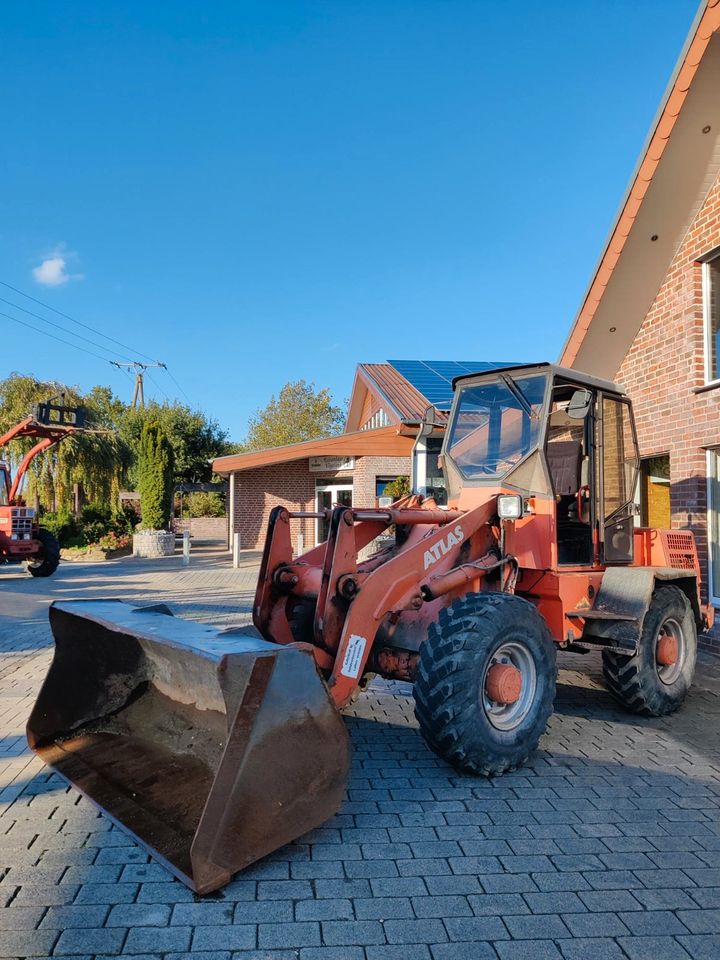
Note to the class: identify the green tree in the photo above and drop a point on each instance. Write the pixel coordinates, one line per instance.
(155, 477)
(299, 412)
(98, 458)
(195, 438)
(104, 459)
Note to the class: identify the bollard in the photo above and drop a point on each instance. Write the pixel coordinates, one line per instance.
(186, 548)
(236, 550)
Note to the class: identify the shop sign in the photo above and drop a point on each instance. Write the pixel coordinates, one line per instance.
(331, 464)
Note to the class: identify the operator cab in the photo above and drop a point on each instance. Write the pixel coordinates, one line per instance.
(4, 485)
(556, 434)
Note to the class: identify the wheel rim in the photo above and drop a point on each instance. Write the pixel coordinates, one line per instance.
(670, 629)
(507, 716)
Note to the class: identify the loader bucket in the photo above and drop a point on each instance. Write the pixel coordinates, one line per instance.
(211, 749)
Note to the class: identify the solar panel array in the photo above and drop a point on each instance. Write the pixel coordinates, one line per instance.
(433, 378)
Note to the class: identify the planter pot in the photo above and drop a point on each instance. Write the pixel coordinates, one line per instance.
(153, 543)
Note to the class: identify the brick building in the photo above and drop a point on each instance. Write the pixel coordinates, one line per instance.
(651, 316)
(380, 443)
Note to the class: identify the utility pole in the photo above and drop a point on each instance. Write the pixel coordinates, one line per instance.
(138, 398)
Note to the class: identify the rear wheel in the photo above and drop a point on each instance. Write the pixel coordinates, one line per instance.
(656, 679)
(47, 563)
(486, 683)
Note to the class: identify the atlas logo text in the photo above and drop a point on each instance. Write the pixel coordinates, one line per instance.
(439, 549)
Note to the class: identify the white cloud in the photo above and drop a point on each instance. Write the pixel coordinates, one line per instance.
(53, 271)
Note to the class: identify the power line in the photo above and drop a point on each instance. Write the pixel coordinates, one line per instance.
(178, 385)
(86, 326)
(60, 339)
(153, 380)
(78, 336)
(58, 326)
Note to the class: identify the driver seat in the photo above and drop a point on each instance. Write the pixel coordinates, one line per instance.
(565, 459)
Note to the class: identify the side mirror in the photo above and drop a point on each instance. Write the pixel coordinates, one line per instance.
(579, 405)
(428, 422)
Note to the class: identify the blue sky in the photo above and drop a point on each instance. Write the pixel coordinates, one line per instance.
(257, 192)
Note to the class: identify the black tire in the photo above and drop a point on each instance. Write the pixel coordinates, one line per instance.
(47, 563)
(637, 681)
(455, 717)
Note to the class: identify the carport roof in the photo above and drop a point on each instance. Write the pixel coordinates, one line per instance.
(383, 442)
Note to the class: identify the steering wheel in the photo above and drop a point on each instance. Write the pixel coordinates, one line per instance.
(491, 465)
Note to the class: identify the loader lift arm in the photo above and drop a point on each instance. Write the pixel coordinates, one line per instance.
(354, 599)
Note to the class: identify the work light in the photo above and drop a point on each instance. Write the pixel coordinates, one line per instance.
(509, 506)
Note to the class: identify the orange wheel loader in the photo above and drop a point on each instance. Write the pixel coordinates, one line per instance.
(215, 748)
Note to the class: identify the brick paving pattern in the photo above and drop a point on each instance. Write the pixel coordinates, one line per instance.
(606, 845)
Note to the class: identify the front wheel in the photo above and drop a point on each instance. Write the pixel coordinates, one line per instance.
(47, 563)
(486, 683)
(656, 679)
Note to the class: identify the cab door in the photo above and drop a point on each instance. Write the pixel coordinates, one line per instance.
(618, 462)
(4, 486)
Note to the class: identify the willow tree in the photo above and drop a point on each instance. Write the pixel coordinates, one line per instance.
(98, 458)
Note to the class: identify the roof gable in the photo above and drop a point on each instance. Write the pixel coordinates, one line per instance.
(677, 167)
(404, 389)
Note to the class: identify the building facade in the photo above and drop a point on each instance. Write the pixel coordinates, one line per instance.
(312, 483)
(651, 317)
(381, 443)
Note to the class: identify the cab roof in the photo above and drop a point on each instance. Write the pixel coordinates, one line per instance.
(563, 373)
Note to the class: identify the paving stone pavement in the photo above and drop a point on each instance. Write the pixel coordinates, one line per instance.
(606, 845)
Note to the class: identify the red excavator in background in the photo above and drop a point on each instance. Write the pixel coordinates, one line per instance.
(21, 537)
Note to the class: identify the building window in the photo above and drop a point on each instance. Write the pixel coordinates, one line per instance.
(329, 494)
(711, 284)
(713, 457)
(383, 496)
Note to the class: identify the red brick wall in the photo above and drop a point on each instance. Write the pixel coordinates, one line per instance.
(203, 528)
(367, 469)
(664, 364)
(292, 485)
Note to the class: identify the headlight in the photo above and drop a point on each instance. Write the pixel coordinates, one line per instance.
(509, 506)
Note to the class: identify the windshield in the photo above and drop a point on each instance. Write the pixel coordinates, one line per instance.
(3, 487)
(497, 423)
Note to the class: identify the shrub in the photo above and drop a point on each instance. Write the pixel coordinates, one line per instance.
(62, 525)
(90, 527)
(114, 541)
(398, 488)
(155, 477)
(204, 505)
